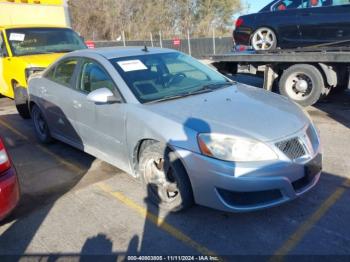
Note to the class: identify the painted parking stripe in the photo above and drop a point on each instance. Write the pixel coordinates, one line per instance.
(300, 233)
(157, 221)
(71, 166)
(13, 130)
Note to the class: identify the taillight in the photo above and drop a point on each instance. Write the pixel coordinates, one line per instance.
(4, 159)
(239, 22)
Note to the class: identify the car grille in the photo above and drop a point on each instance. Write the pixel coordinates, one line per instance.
(292, 148)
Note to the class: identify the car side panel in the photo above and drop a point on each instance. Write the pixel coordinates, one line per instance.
(325, 24)
(57, 102)
(283, 23)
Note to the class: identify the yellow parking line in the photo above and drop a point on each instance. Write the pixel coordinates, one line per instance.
(3, 123)
(60, 160)
(159, 222)
(299, 234)
(73, 167)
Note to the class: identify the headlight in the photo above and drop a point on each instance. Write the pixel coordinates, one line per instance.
(237, 149)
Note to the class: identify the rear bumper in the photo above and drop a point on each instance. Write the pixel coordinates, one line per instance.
(242, 36)
(241, 187)
(9, 192)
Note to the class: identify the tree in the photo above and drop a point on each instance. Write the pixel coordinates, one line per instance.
(106, 19)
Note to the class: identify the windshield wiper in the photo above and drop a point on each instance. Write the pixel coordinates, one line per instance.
(64, 50)
(215, 86)
(167, 98)
(37, 53)
(204, 89)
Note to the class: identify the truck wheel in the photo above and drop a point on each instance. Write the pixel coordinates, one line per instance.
(168, 185)
(302, 83)
(21, 101)
(41, 127)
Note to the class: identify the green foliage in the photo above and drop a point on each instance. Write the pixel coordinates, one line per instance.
(106, 19)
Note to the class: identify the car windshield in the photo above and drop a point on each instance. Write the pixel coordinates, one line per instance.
(29, 41)
(165, 76)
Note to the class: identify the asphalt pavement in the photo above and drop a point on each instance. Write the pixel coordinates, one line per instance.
(73, 204)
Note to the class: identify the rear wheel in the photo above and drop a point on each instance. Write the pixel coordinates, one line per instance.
(21, 101)
(41, 128)
(168, 185)
(264, 39)
(302, 83)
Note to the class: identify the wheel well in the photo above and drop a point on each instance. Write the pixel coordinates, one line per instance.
(137, 152)
(281, 67)
(284, 66)
(31, 104)
(13, 82)
(140, 146)
(273, 30)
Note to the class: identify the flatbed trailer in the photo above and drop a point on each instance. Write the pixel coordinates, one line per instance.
(305, 75)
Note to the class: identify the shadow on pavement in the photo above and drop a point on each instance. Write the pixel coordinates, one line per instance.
(16, 239)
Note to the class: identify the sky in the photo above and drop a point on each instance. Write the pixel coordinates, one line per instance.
(256, 5)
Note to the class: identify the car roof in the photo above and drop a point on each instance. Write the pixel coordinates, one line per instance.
(31, 26)
(117, 52)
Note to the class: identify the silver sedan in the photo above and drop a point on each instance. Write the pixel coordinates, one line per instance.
(189, 133)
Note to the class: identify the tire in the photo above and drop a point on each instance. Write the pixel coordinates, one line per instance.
(264, 39)
(21, 101)
(302, 83)
(167, 182)
(40, 124)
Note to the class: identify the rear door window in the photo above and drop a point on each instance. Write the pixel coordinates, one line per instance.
(339, 2)
(289, 4)
(63, 72)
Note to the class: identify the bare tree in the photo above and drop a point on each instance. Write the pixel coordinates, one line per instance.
(107, 19)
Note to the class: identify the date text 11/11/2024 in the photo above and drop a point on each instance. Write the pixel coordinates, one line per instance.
(172, 258)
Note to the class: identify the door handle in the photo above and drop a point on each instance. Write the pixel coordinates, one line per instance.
(76, 104)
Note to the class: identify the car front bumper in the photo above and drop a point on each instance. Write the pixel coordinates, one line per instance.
(241, 187)
(9, 192)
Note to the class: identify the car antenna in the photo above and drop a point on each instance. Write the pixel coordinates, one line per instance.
(145, 49)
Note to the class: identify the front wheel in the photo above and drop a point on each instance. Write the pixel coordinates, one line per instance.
(302, 83)
(168, 185)
(264, 39)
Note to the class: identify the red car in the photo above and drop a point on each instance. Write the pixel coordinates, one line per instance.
(9, 187)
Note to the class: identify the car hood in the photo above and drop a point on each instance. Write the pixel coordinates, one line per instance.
(41, 60)
(239, 110)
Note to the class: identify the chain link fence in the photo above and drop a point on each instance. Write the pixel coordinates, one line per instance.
(197, 47)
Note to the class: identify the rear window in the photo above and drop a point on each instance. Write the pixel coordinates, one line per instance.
(340, 2)
(289, 4)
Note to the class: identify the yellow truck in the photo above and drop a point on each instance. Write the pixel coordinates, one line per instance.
(33, 34)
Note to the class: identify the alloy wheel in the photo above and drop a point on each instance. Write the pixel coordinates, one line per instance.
(264, 39)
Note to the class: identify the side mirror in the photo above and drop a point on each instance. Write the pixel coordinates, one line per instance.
(103, 96)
